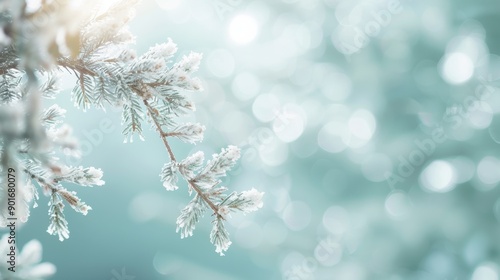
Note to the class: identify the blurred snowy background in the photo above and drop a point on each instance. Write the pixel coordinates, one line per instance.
(372, 126)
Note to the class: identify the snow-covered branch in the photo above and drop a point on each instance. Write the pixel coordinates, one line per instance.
(94, 45)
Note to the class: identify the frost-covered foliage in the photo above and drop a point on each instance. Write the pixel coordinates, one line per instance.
(34, 39)
(37, 40)
(204, 182)
(29, 266)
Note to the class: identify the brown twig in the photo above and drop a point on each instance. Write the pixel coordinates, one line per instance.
(41, 181)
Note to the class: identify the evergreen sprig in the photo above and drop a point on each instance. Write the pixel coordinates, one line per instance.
(95, 47)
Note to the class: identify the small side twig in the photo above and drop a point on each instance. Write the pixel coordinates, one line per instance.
(163, 136)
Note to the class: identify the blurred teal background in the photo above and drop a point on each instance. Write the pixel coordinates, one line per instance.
(327, 99)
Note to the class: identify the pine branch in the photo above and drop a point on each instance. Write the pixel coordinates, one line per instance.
(4, 69)
(75, 65)
(96, 52)
(58, 224)
(190, 216)
(163, 136)
(219, 236)
(41, 181)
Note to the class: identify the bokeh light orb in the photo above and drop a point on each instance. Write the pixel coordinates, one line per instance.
(397, 204)
(333, 137)
(168, 4)
(486, 271)
(289, 123)
(457, 68)
(439, 176)
(487, 170)
(243, 29)
(336, 220)
(482, 117)
(362, 125)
